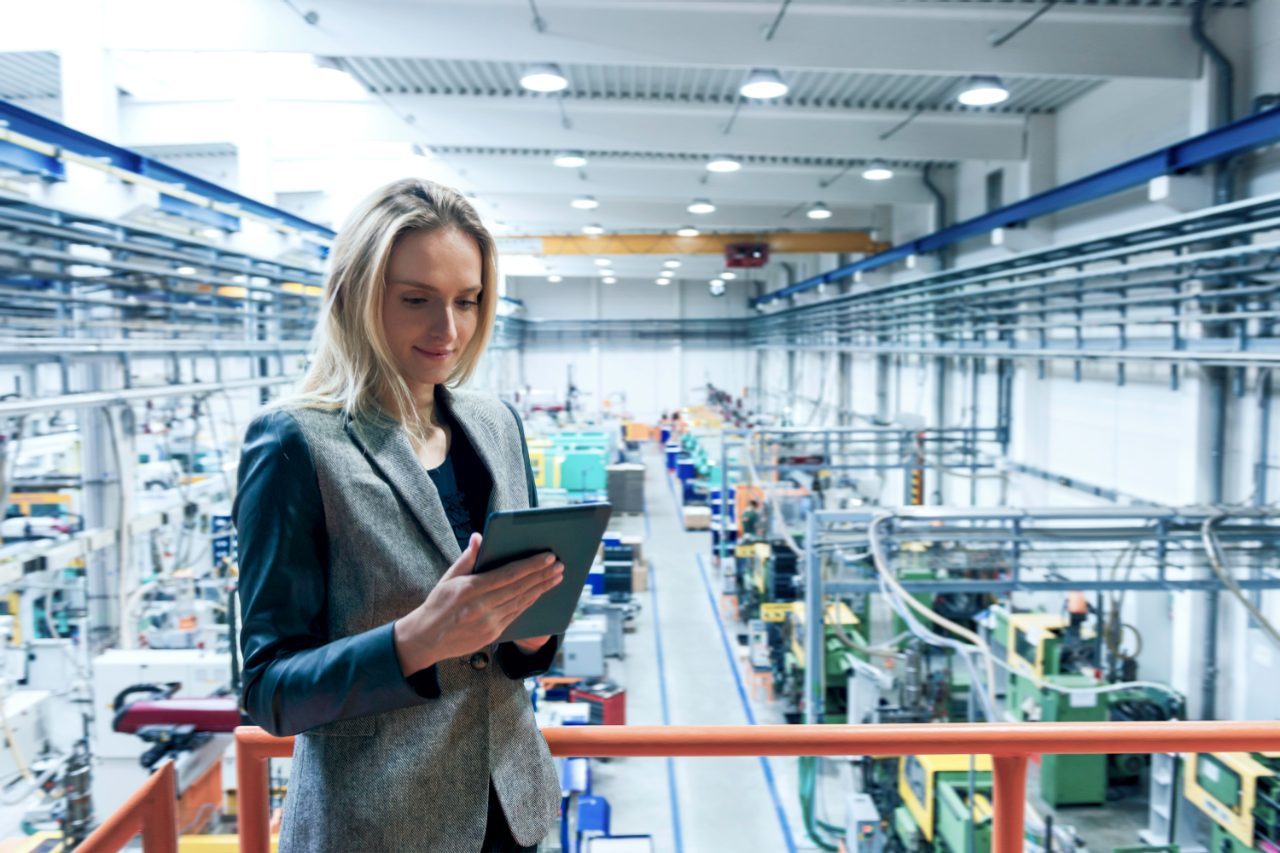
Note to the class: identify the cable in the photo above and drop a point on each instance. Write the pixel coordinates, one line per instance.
(1211, 548)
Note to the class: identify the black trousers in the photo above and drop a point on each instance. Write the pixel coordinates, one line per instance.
(497, 834)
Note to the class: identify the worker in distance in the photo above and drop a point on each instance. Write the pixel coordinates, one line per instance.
(365, 631)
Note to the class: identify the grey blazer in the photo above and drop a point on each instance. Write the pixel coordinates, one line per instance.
(341, 532)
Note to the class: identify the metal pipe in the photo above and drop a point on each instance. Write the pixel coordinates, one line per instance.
(940, 213)
(813, 625)
(1223, 189)
(1009, 791)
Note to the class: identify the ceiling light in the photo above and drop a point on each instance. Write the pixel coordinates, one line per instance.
(544, 77)
(717, 282)
(688, 231)
(663, 281)
(186, 270)
(728, 275)
(723, 163)
(983, 91)
(594, 230)
(609, 280)
(671, 265)
(763, 83)
(554, 279)
(701, 205)
(570, 159)
(717, 288)
(585, 202)
(878, 171)
(819, 211)
(603, 262)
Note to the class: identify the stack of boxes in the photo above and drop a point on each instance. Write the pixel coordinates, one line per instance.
(626, 487)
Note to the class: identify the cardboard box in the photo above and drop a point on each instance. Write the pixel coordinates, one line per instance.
(697, 518)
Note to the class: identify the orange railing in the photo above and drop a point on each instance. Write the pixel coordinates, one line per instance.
(152, 810)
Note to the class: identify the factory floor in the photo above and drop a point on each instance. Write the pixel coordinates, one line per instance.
(684, 666)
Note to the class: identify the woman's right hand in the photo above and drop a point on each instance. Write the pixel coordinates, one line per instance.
(466, 611)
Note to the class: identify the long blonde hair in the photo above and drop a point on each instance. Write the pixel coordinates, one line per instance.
(353, 368)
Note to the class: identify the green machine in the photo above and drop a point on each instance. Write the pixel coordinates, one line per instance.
(1240, 793)
(1073, 780)
(838, 657)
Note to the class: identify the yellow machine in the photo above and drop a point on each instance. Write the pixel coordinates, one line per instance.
(918, 778)
(41, 503)
(1029, 633)
(40, 842)
(1225, 786)
(540, 451)
(794, 613)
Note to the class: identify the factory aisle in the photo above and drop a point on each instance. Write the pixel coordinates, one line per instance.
(741, 804)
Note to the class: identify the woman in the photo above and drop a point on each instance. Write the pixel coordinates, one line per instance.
(358, 504)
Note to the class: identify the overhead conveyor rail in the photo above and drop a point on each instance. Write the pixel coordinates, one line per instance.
(1206, 295)
(1004, 550)
(1218, 144)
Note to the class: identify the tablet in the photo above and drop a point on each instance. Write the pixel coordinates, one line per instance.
(572, 533)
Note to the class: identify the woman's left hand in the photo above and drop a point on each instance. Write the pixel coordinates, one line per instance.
(532, 644)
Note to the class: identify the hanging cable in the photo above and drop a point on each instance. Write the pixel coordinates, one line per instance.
(1212, 550)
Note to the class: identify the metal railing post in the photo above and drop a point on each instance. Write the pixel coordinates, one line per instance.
(152, 810)
(1009, 792)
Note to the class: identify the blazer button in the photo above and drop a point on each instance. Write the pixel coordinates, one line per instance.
(479, 660)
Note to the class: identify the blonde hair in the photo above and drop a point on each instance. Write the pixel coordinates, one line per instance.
(353, 368)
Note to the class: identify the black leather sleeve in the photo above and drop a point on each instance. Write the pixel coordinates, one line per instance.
(294, 678)
(512, 660)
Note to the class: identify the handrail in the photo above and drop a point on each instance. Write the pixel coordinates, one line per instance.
(152, 810)
(1010, 745)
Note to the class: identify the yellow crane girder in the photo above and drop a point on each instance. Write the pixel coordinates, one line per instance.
(790, 242)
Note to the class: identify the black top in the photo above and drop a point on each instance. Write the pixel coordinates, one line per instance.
(464, 506)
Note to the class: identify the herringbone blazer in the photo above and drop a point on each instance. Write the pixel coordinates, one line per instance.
(341, 533)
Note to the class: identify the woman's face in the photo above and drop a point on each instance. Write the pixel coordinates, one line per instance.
(430, 305)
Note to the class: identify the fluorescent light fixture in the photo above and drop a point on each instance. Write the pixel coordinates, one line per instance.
(585, 202)
(728, 275)
(609, 280)
(570, 159)
(544, 77)
(878, 171)
(593, 230)
(717, 282)
(819, 211)
(603, 262)
(688, 231)
(671, 264)
(983, 91)
(554, 279)
(763, 83)
(723, 163)
(701, 205)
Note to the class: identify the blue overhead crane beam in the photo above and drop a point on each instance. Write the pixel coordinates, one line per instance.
(30, 162)
(54, 133)
(1253, 132)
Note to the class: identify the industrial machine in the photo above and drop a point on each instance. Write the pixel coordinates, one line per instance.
(1240, 793)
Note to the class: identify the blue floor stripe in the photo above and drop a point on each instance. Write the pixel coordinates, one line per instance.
(666, 710)
(737, 678)
(746, 707)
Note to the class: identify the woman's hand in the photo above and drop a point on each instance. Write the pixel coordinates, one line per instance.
(465, 611)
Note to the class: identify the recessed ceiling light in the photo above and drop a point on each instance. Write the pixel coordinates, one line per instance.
(671, 264)
(609, 280)
(593, 229)
(570, 159)
(819, 211)
(544, 77)
(763, 83)
(603, 262)
(717, 281)
(585, 202)
(701, 205)
(728, 275)
(983, 91)
(878, 171)
(663, 281)
(554, 279)
(723, 163)
(688, 231)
